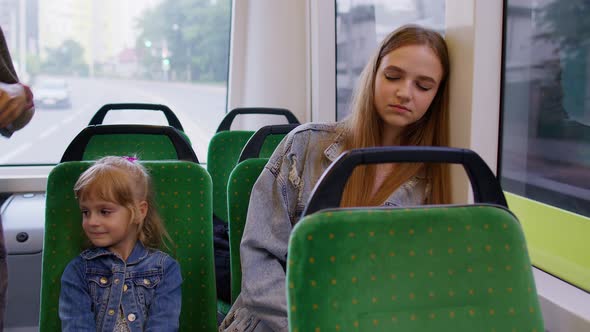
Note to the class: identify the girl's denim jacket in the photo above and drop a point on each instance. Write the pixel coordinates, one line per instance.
(97, 284)
(276, 203)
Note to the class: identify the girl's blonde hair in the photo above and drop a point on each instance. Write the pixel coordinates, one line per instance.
(364, 126)
(123, 181)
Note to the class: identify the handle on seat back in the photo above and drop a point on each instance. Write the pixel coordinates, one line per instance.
(254, 144)
(229, 117)
(75, 151)
(173, 121)
(328, 191)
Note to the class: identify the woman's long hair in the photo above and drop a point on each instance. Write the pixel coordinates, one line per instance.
(124, 181)
(364, 127)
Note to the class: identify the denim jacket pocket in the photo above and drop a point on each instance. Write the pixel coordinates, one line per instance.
(100, 289)
(145, 287)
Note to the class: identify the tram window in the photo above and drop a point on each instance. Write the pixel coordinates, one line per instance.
(362, 25)
(545, 142)
(152, 51)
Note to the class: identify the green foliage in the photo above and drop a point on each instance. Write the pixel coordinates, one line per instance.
(185, 40)
(567, 23)
(66, 59)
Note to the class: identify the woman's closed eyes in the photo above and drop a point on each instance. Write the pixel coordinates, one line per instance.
(393, 73)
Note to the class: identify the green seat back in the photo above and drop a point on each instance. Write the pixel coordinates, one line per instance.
(183, 195)
(147, 142)
(146, 147)
(241, 181)
(222, 156)
(452, 268)
(270, 144)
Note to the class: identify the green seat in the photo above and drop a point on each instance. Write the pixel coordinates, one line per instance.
(183, 195)
(226, 146)
(223, 154)
(146, 141)
(430, 268)
(239, 187)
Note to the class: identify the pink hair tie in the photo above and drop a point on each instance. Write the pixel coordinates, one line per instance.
(130, 159)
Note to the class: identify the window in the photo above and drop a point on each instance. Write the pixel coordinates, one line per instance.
(362, 24)
(545, 143)
(80, 55)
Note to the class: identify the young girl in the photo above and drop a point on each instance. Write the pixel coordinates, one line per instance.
(122, 283)
(401, 99)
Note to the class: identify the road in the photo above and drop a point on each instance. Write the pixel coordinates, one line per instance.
(199, 107)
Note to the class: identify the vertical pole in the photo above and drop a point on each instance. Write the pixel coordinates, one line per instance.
(22, 53)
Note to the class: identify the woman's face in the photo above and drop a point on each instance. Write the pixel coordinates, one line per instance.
(405, 85)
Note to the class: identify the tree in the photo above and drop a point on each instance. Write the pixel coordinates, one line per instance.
(565, 24)
(189, 36)
(66, 59)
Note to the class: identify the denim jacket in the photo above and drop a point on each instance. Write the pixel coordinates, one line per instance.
(97, 284)
(276, 203)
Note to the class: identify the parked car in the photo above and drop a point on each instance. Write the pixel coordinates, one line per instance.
(51, 92)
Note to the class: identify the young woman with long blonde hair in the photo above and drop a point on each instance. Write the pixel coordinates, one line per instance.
(401, 99)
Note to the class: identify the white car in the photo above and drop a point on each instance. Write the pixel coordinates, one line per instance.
(51, 92)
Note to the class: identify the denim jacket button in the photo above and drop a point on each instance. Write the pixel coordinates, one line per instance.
(103, 280)
(111, 312)
(124, 288)
(146, 281)
(131, 317)
(116, 281)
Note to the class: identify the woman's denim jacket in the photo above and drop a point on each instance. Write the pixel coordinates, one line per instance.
(276, 203)
(98, 283)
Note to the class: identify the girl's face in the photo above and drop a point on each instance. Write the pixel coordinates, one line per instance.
(406, 82)
(109, 225)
